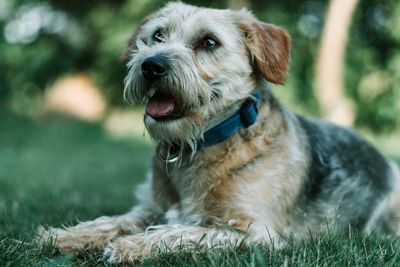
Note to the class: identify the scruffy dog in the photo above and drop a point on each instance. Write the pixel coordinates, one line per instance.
(232, 165)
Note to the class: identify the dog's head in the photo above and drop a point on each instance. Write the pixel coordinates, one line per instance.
(189, 64)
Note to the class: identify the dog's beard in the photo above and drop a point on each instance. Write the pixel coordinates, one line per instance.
(181, 132)
(189, 94)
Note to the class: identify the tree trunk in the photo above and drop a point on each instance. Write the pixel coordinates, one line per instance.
(330, 89)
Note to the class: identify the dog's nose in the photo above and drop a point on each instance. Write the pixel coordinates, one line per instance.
(154, 67)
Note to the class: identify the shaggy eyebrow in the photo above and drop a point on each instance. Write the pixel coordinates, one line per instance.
(201, 34)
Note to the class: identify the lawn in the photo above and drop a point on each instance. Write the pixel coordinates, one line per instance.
(56, 171)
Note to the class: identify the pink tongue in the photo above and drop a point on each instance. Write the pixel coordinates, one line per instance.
(160, 106)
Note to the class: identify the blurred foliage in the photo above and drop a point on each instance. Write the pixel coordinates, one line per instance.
(43, 40)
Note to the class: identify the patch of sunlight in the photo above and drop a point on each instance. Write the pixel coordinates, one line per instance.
(78, 96)
(122, 123)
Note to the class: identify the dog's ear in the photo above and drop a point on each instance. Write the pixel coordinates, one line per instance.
(269, 48)
(132, 41)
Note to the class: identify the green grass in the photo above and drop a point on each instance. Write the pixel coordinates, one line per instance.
(57, 171)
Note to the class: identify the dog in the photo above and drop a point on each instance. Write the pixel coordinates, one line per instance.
(232, 165)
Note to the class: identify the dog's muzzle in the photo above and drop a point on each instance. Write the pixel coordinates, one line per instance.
(161, 105)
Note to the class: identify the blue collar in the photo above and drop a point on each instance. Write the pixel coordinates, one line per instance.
(243, 118)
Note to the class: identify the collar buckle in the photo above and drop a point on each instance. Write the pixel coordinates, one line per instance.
(168, 153)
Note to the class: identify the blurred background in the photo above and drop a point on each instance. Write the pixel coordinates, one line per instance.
(64, 56)
(71, 148)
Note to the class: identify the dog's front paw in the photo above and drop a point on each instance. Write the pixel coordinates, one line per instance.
(91, 235)
(127, 249)
(64, 240)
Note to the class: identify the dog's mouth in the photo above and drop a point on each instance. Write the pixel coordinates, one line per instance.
(162, 106)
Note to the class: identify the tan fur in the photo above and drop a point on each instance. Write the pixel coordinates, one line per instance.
(270, 47)
(92, 235)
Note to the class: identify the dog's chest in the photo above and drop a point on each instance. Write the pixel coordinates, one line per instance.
(206, 196)
(221, 188)
(244, 183)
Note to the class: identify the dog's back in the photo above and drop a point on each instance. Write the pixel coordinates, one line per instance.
(346, 178)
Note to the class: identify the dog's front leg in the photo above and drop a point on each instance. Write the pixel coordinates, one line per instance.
(172, 238)
(95, 235)
(154, 198)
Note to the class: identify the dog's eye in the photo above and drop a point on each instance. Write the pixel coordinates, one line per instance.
(158, 36)
(210, 42)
